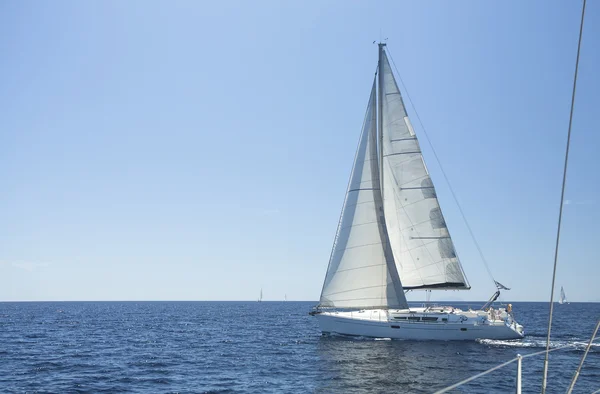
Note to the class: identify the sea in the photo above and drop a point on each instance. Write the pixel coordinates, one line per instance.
(268, 347)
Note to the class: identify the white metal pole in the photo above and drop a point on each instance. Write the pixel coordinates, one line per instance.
(519, 360)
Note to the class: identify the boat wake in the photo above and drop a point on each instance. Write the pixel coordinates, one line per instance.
(334, 335)
(539, 343)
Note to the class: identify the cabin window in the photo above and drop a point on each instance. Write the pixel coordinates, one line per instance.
(429, 318)
(401, 317)
(444, 319)
(395, 326)
(414, 318)
(463, 329)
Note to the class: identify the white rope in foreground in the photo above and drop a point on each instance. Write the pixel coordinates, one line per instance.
(562, 200)
(467, 380)
(476, 376)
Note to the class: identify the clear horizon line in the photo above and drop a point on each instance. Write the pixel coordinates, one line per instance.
(282, 300)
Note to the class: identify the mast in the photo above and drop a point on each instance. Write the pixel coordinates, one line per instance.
(380, 115)
(383, 228)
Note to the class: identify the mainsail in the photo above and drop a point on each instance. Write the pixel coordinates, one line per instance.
(391, 225)
(361, 271)
(423, 250)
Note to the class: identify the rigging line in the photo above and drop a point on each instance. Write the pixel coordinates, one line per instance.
(475, 376)
(444, 174)
(562, 197)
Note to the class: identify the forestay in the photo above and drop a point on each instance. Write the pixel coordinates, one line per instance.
(361, 271)
(421, 244)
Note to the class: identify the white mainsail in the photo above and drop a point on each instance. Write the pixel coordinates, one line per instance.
(421, 244)
(361, 271)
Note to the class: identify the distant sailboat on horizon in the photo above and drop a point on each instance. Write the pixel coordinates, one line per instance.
(260, 296)
(563, 297)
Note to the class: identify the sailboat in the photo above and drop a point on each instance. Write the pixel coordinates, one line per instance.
(392, 238)
(260, 296)
(563, 296)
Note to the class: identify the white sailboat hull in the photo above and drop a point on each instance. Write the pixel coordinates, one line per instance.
(441, 324)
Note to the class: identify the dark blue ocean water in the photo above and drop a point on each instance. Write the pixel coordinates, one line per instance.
(268, 347)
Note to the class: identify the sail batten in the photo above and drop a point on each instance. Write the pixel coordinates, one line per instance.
(422, 247)
(361, 271)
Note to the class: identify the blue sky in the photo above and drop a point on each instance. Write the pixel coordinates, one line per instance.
(197, 150)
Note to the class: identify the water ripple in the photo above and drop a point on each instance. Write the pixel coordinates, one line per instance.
(233, 347)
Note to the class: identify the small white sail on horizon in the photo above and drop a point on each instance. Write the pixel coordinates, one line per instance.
(563, 296)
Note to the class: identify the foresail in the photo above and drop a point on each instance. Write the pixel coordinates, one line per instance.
(421, 244)
(361, 272)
